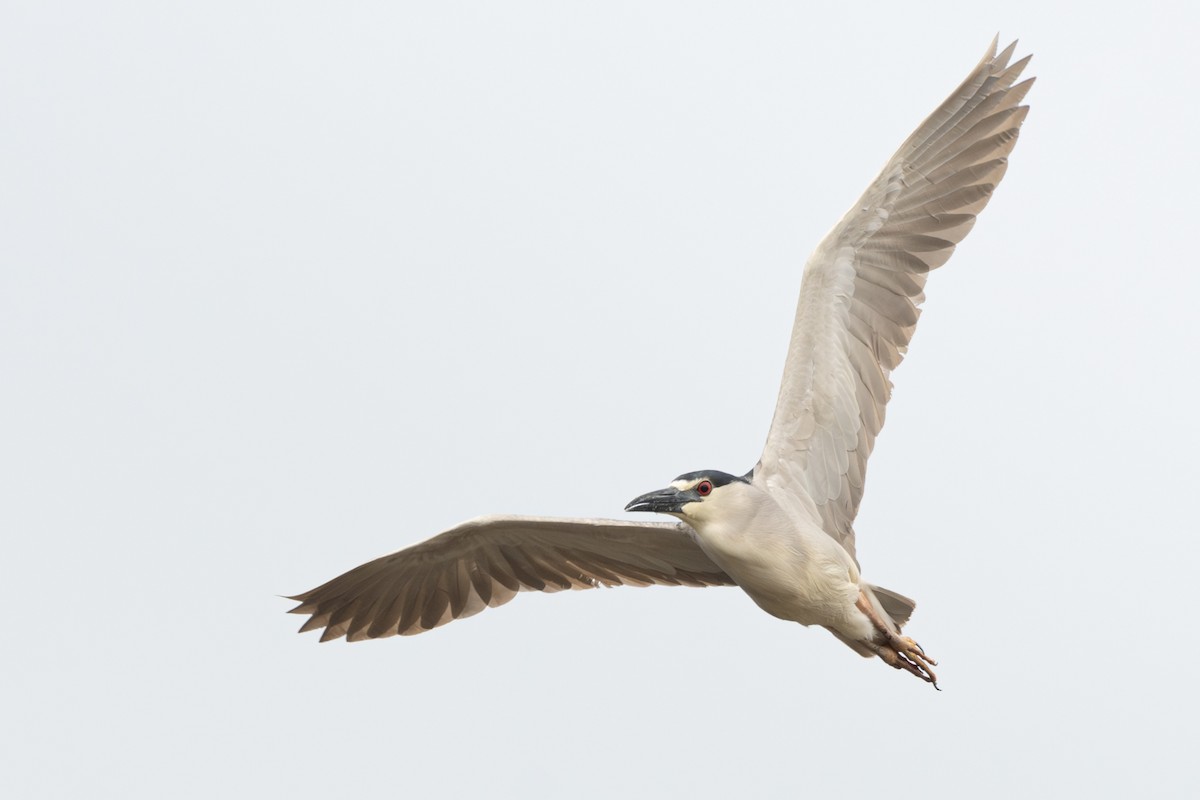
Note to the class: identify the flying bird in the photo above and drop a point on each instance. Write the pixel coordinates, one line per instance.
(782, 532)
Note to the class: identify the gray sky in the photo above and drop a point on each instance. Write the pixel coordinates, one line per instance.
(284, 287)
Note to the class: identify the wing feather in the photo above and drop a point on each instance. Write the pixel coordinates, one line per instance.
(487, 561)
(863, 288)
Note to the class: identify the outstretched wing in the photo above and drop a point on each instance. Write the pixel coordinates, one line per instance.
(863, 286)
(486, 561)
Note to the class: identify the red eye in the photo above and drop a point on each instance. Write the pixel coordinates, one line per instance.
(704, 488)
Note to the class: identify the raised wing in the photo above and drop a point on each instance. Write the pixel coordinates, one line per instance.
(863, 287)
(486, 561)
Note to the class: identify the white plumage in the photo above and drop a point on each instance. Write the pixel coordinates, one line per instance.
(784, 532)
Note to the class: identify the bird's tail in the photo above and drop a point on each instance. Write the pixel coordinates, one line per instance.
(894, 609)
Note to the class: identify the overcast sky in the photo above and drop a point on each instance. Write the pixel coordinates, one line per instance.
(286, 286)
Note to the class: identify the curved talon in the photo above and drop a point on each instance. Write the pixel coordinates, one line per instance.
(912, 645)
(921, 663)
(908, 656)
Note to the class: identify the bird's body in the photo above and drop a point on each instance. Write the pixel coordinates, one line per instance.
(789, 566)
(783, 532)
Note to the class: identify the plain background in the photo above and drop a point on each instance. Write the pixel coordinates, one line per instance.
(286, 286)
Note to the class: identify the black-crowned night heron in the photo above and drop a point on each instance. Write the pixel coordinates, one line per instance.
(782, 532)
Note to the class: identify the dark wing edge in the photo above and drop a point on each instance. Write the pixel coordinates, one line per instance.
(485, 562)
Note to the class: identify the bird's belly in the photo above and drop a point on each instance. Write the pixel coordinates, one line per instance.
(789, 581)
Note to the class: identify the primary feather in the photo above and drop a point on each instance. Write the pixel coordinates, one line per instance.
(864, 284)
(484, 562)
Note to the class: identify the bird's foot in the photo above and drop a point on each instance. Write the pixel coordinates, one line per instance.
(901, 652)
(897, 651)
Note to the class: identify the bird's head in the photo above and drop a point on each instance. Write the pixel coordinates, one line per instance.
(695, 496)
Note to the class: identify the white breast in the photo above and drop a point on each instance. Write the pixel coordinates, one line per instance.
(788, 566)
